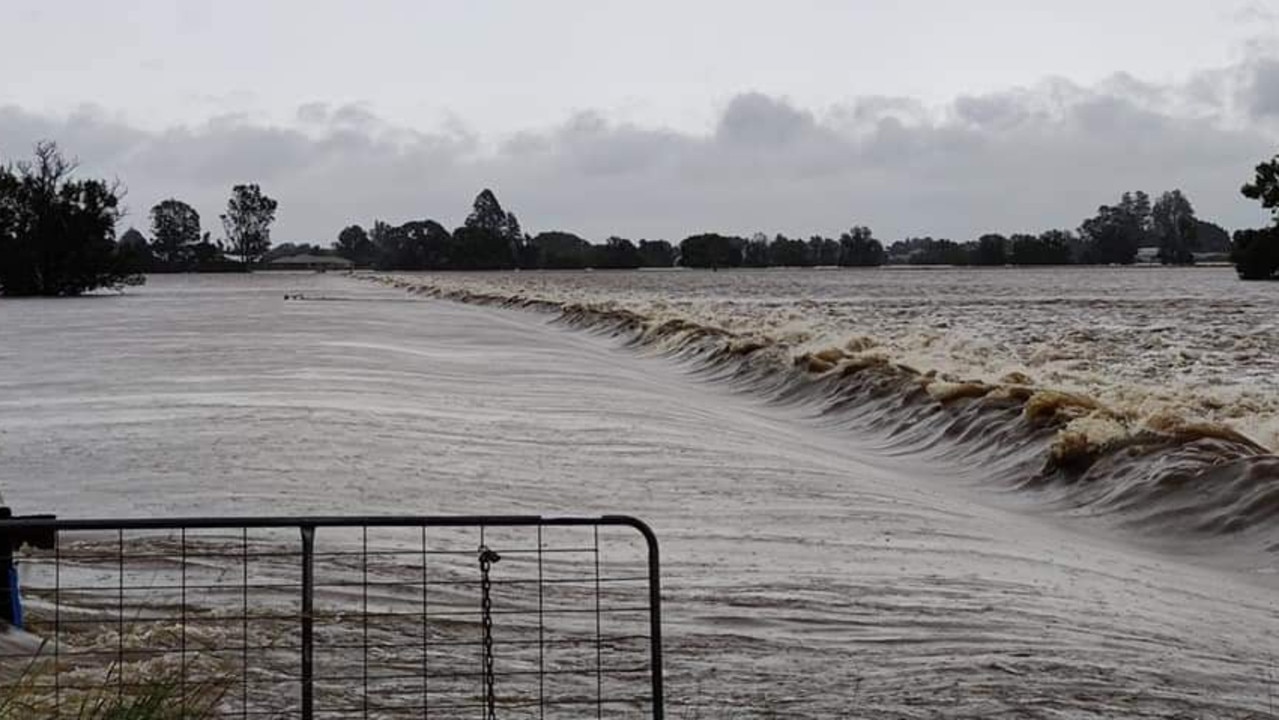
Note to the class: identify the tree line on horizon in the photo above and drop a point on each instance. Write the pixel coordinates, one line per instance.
(57, 233)
(57, 238)
(177, 243)
(491, 239)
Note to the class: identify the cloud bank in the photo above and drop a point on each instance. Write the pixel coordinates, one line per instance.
(1025, 159)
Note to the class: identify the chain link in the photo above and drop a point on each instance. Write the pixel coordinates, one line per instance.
(487, 558)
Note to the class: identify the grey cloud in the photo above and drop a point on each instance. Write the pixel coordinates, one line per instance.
(313, 112)
(1256, 12)
(870, 110)
(1124, 85)
(1024, 159)
(354, 115)
(349, 115)
(1263, 88)
(991, 111)
(753, 120)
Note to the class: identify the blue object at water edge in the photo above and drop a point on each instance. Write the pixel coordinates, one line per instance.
(15, 597)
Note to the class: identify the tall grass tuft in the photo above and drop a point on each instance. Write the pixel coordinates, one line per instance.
(165, 697)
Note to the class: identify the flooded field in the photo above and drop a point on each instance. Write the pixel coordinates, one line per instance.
(892, 495)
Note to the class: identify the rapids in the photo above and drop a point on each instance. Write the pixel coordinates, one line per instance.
(845, 535)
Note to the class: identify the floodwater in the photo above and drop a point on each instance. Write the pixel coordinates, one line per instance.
(837, 542)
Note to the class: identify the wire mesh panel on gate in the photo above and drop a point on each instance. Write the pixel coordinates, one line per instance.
(342, 618)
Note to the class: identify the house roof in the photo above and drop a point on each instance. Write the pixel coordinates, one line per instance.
(309, 259)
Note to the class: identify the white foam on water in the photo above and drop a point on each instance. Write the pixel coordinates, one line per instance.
(1144, 341)
(809, 572)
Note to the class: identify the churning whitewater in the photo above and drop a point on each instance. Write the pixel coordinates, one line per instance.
(856, 520)
(1154, 398)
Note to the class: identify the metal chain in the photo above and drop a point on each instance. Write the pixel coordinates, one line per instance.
(487, 558)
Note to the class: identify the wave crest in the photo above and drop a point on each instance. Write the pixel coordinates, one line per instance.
(1161, 472)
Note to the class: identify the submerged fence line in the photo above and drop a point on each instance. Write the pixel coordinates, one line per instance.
(335, 617)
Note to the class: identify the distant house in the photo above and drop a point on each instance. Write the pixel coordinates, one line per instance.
(307, 261)
(1147, 255)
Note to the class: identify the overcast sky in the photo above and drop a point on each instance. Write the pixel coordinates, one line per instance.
(655, 118)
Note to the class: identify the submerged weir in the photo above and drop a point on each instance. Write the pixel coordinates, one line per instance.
(1161, 473)
(835, 541)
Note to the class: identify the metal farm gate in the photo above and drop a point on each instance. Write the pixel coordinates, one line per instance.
(337, 617)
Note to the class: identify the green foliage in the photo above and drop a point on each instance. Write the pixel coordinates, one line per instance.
(755, 251)
(557, 250)
(927, 251)
(353, 243)
(1175, 227)
(57, 234)
(656, 253)
(176, 229)
(490, 239)
(823, 251)
(711, 250)
(1211, 237)
(785, 252)
(859, 248)
(481, 249)
(1114, 234)
(486, 213)
(247, 223)
(135, 249)
(615, 254)
(1256, 254)
(1049, 248)
(990, 250)
(1265, 186)
(207, 256)
(415, 245)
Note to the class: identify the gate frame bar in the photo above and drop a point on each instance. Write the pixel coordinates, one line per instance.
(21, 527)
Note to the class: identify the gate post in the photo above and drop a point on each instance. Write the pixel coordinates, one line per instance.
(308, 622)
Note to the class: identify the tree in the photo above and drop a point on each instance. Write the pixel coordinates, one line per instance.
(57, 234)
(711, 250)
(557, 250)
(176, 228)
(990, 250)
(208, 257)
(134, 246)
(823, 251)
(1256, 252)
(755, 251)
(511, 230)
(1113, 235)
(487, 213)
(247, 223)
(785, 252)
(656, 253)
(353, 243)
(490, 239)
(1174, 226)
(859, 248)
(1056, 246)
(415, 245)
(615, 254)
(1137, 204)
(1265, 187)
(927, 251)
(1049, 248)
(1211, 237)
(133, 239)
